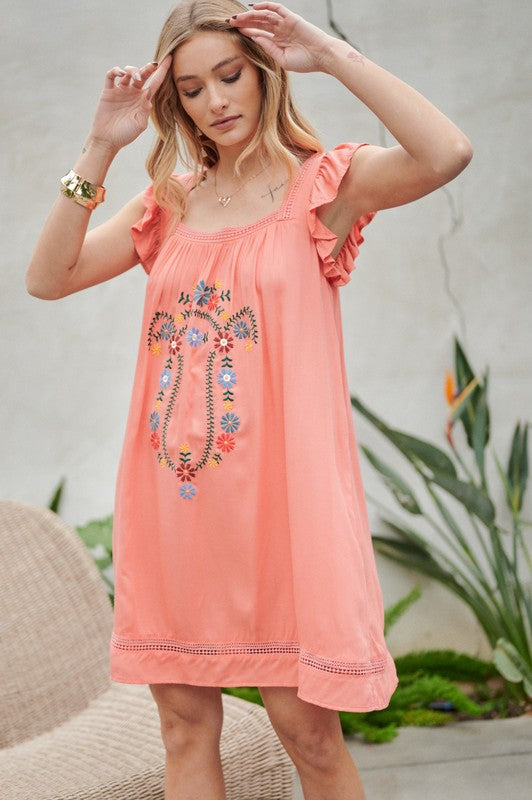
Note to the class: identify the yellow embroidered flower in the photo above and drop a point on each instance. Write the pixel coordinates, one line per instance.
(158, 404)
(184, 448)
(162, 462)
(224, 315)
(179, 317)
(228, 405)
(212, 462)
(156, 349)
(249, 345)
(217, 284)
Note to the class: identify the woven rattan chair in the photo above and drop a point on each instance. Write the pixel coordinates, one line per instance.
(66, 731)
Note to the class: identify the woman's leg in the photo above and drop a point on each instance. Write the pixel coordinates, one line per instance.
(191, 725)
(312, 736)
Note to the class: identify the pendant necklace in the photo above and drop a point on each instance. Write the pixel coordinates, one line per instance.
(225, 199)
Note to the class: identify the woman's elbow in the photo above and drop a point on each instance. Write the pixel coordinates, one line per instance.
(458, 154)
(40, 291)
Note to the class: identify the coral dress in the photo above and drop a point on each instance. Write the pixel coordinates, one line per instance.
(241, 543)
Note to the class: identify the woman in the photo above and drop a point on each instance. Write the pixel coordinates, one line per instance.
(241, 543)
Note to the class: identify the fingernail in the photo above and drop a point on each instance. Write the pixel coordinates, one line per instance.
(227, 20)
(234, 16)
(121, 72)
(154, 63)
(137, 76)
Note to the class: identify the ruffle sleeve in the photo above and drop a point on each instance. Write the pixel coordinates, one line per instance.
(146, 232)
(332, 168)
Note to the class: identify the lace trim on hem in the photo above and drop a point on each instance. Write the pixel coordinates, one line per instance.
(250, 648)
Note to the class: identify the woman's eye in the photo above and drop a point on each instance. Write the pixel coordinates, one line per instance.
(229, 79)
(232, 78)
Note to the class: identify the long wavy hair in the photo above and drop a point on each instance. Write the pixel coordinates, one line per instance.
(282, 131)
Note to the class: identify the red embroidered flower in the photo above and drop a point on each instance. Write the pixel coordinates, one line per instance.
(173, 345)
(223, 342)
(225, 442)
(155, 440)
(185, 472)
(213, 302)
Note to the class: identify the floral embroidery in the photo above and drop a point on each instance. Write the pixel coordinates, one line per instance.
(230, 423)
(205, 308)
(167, 329)
(213, 302)
(202, 294)
(241, 330)
(173, 345)
(225, 442)
(185, 472)
(164, 380)
(194, 337)
(223, 342)
(187, 491)
(227, 378)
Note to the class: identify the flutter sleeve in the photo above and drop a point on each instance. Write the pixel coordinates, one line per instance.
(332, 168)
(146, 232)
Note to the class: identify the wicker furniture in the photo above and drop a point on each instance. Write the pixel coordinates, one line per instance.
(66, 731)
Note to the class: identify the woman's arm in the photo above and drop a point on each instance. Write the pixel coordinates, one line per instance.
(431, 149)
(66, 258)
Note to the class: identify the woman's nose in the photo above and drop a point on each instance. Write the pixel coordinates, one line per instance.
(217, 100)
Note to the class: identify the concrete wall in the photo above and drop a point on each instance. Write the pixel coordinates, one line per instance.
(456, 262)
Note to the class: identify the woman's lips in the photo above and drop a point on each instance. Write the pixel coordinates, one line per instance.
(225, 123)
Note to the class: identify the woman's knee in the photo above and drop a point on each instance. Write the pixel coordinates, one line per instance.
(191, 716)
(311, 735)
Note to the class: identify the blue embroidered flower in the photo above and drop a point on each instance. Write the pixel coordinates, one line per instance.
(227, 378)
(230, 423)
(202, 294)
(154, 421)
(187, 491)
(167, 330)
(165, 379)
(194, 337)
(241, 330)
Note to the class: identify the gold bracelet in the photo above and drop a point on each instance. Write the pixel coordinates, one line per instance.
(83, 192)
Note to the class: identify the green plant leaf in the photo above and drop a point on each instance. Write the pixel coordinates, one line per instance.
(414, 449)
(414, 557)
(464, 376)
(447, 663)
(480, 431)
(517, 471)
(55, 500)
(398, 487)
(512, 665)
(394, 612)
(473, 498)
(98, 532)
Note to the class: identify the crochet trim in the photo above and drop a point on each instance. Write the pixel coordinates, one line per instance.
(251, 648)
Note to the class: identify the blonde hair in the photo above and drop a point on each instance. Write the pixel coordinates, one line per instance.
(282, 132)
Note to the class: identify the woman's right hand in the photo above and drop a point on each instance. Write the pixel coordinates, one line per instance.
(125, 103)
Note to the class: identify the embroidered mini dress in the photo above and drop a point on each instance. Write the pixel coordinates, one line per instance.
(241, 544)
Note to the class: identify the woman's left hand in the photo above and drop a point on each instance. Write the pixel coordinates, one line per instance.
(293, 42)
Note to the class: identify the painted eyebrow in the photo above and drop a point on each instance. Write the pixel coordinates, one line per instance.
(216, 66)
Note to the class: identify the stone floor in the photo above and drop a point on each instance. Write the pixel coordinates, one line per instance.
(487, 760)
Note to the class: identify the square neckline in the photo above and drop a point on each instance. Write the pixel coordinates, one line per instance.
(232, 231)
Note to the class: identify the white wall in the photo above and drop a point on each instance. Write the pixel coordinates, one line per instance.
(456, 262)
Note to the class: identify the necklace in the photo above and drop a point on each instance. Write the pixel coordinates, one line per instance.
(225, 199)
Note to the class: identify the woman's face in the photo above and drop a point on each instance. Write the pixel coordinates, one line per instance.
(219, 88)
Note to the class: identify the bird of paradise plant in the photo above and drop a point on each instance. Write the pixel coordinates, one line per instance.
(472, 551)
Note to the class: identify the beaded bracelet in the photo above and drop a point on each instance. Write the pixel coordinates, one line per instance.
(83, 192)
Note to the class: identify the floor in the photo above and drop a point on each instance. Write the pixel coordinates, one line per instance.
(486, 760)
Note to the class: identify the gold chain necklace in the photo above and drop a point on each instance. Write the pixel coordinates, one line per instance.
(225, 199)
